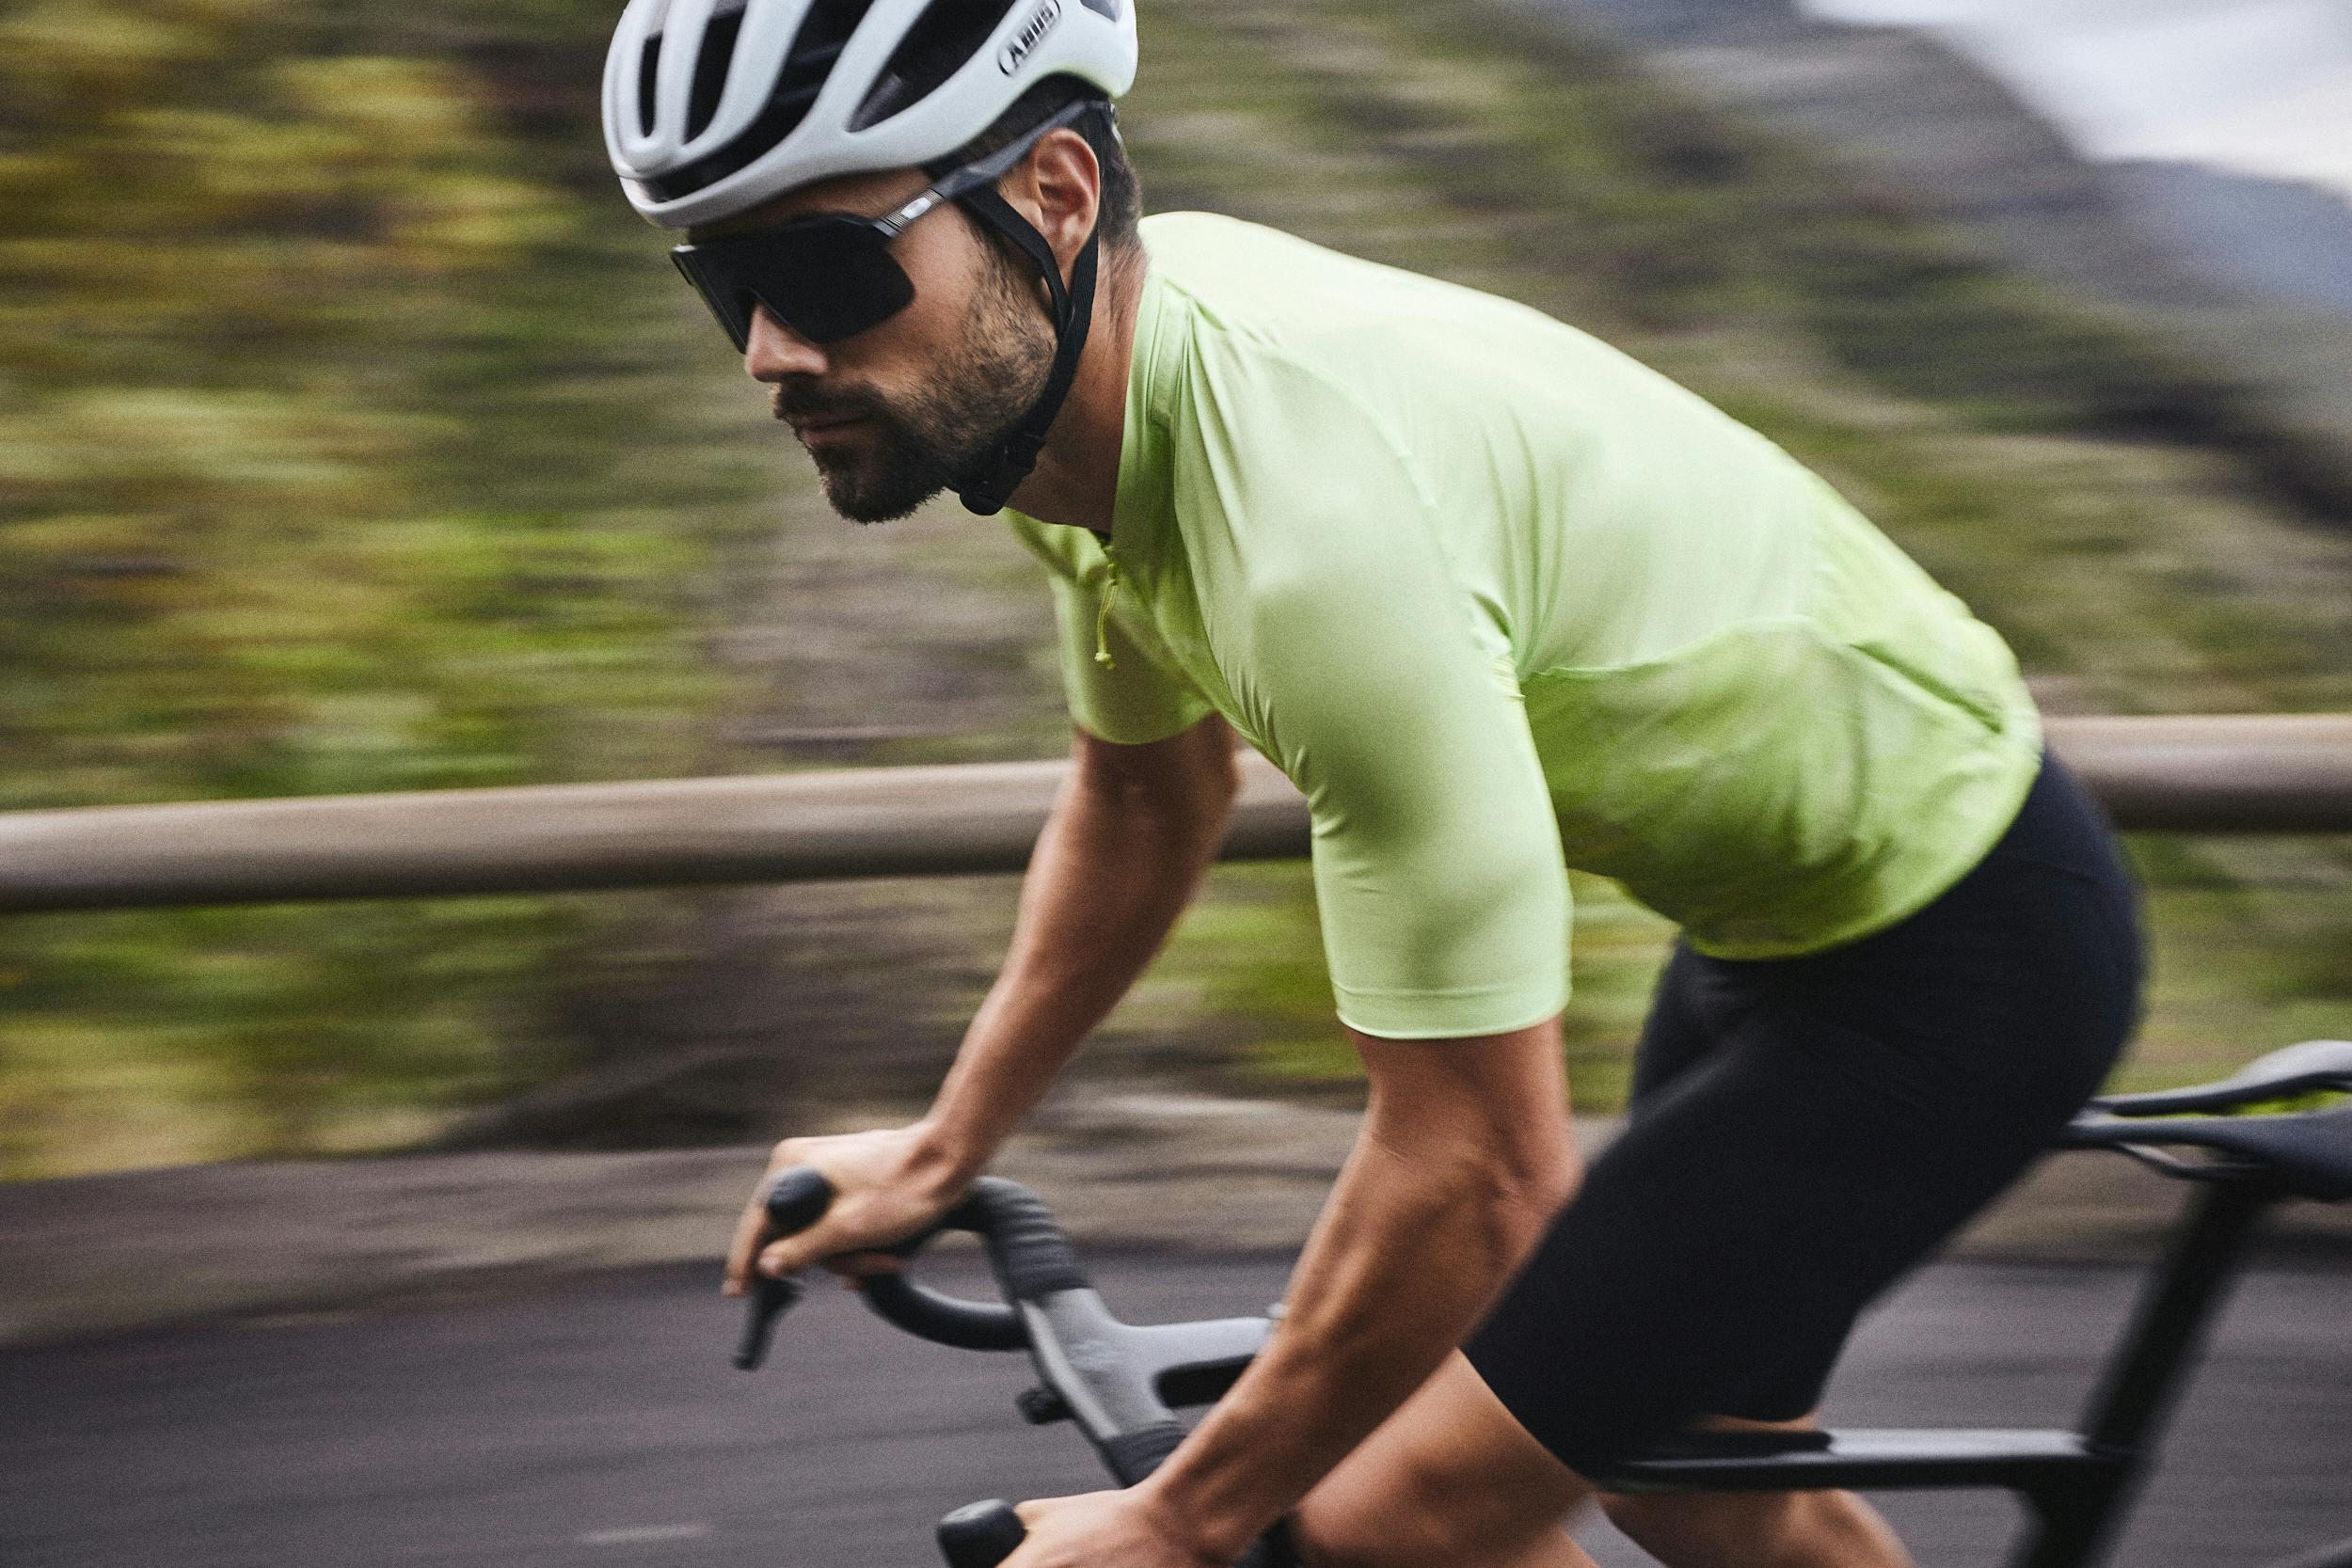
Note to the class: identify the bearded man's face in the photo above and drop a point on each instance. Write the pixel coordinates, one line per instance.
(892, 415)
(883, 452)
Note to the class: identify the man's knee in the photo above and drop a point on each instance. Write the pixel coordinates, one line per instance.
(1405, 1531)
(1755, 1530)
(1682, 1522)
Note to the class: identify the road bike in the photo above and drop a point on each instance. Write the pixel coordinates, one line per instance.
(1120, 1383)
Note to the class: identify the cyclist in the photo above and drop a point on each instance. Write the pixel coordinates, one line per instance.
(1500, 601)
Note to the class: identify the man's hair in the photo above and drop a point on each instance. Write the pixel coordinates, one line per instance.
(1122, 200)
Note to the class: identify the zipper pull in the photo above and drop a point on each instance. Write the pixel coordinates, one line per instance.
(1102, 613)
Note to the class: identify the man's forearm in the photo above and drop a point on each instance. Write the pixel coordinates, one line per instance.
(1429, 1219)
(1117, 863)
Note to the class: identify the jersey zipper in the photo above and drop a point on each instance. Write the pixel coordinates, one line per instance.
(1102, 613)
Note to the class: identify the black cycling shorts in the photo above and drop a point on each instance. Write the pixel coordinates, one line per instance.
(1805, 1130)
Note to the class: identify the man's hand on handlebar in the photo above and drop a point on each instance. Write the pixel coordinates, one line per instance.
(888, 1184)
(1126, 1527)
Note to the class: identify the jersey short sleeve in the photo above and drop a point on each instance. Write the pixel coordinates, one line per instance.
(1499, 598)
(1132, 697)
(1354, 661)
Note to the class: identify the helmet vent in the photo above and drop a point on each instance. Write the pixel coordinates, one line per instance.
(646, 73)
(948, 34)
(710, 65)
(823, 33)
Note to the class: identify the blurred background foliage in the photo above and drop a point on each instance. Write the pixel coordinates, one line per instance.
(354, 436)
(276, 520)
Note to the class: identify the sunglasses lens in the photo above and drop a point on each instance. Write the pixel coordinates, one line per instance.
(728, 302)
(826, 278)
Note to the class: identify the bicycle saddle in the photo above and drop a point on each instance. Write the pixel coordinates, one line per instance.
(2309, 1152)
(2290, 1071)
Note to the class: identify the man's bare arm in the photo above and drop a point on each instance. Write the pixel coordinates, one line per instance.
(1465, 1156)
(1128, 841)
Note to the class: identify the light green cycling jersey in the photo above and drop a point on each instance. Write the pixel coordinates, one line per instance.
(1501, 601)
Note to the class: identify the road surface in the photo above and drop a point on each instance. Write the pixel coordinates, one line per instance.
(599, 1426)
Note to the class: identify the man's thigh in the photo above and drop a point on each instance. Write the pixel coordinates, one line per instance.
(1718, 1251)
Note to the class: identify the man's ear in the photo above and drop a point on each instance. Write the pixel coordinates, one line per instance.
(1059, 187)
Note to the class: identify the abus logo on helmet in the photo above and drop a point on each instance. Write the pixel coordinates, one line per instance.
(1040, 23)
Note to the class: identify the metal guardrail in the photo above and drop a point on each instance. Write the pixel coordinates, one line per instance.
(2262, 774)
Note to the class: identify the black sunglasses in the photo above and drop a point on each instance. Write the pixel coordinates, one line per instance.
(832, 276)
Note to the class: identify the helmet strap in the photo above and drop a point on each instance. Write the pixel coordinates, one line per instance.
(984, 487)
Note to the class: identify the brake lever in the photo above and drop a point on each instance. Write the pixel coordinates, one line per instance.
(771, 1300)
(797, 1198)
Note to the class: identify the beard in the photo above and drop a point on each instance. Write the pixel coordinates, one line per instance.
(919, 444)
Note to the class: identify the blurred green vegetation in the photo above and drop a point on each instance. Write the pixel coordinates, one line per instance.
(280, 518)
(353, 436)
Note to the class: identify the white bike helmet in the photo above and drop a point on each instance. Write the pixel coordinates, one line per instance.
(714, 106)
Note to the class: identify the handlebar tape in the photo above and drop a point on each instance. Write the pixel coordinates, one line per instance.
(1130, 1456)
(1033, 1257)
(980, 1535)
(797, 1198)
(943, 1319)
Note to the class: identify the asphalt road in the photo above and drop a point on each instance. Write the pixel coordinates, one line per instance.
(599, 1425)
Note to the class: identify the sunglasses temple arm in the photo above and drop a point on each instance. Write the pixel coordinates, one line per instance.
(984, 171)
(999, 214)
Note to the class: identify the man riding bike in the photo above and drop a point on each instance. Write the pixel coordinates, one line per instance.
(1500, 601)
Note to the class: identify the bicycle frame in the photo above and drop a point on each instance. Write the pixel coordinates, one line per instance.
(1117, 1381)
(2077, 1483)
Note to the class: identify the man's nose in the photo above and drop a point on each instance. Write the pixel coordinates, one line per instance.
(774, 351)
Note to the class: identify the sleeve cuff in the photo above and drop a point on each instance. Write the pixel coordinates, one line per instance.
(1452, 1014)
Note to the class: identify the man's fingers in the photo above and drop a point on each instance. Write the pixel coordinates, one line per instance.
(750, 1231)
(753, 1229)
(863, 1178)
(792, 1255)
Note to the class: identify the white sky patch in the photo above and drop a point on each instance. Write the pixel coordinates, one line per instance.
(2259, 86)
(2304, 135)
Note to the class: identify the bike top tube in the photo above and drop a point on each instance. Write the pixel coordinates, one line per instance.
(1119, 1383)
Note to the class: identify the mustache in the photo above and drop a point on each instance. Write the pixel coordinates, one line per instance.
(787, 401)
